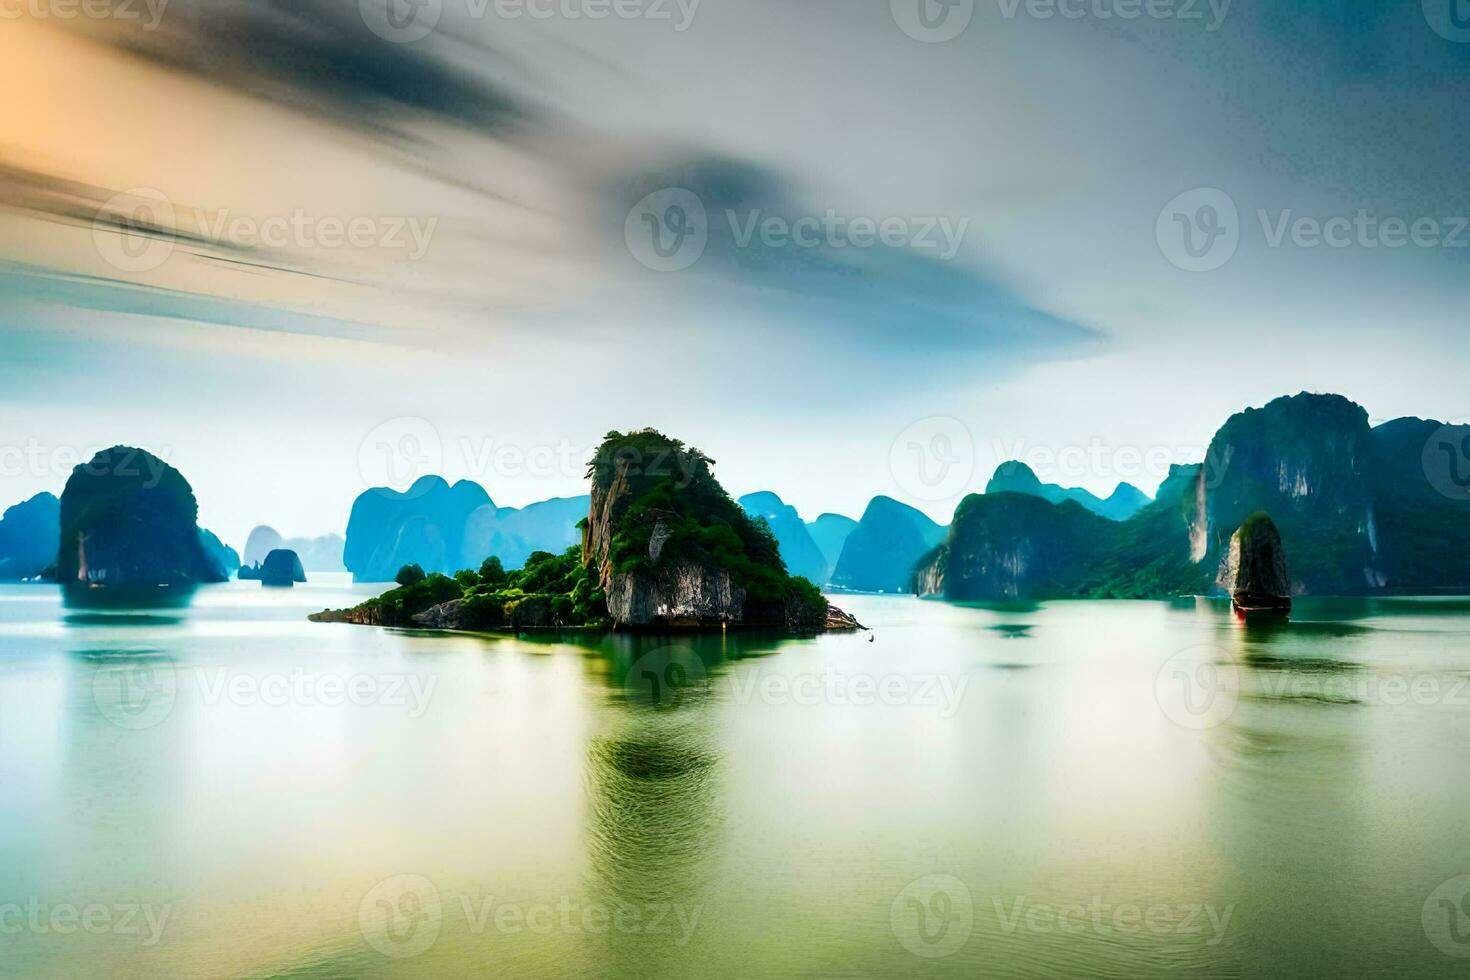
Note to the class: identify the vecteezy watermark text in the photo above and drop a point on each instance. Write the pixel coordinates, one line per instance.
(407, 21)
(669, 230)
(937, 21)
(828, 687)
(402, 916)
(1201, 230)
(34, 458)
(148, 13)
(142, 919)
(1099, 916)
(398, 451)
(138, 230)
(1098, 459)
(141, 695)
(940, 235)
(669, 675)
(934, 916)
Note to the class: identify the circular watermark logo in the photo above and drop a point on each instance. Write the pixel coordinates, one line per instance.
(1447, 461)
(933, 459)
(1197, 688)
(932, 21)
(1450, 19)
(933, 916)
(1199, 230)
(668, 230)
(398, 452)
(401, 21)
(401, 916)
(136, 695)
(668, 676)
(1446, 917)
(134, 231)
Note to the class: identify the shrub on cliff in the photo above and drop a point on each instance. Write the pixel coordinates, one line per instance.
(397, 607)
(552, 590)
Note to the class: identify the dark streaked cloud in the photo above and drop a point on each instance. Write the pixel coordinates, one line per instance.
(920, 292)
(320, 56)
(26, 286)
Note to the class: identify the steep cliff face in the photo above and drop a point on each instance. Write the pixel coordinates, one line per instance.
(671, 549)
(1307, 460)
(682, 594)
(1005, 546)
(226, 560)
(930, 571)
(1419, 528)
(881, 553)
(28, 535)
(1360, 511)
(129, 519)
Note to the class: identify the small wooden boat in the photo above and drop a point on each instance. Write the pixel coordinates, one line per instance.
(1261, 609)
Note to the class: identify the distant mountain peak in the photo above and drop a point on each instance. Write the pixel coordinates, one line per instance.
(1016, 477)
(1012, 475)
(798, 550)
(879, 554)
(763, 499)
(1129, 494)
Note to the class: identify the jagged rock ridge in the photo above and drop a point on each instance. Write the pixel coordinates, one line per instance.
(1016, 477)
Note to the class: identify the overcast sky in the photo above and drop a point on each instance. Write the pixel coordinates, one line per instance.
(302, 248)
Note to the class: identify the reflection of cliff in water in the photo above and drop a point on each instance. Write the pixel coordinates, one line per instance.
(1289, 767)
(122, 598)
(654, 781)
(1284, 661)
(120, 755)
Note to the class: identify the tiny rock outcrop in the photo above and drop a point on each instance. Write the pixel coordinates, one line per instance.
(282, 569)
(1254, 570)
(444, 616)
(364, 615)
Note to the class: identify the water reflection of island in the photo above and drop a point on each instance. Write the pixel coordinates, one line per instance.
(655, 810)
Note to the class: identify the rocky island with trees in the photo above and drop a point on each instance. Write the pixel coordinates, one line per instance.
(663, 547)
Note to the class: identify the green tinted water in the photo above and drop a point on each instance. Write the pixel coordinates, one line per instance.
(1120, 788)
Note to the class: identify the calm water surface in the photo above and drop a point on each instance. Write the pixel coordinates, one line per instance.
(1121, 788)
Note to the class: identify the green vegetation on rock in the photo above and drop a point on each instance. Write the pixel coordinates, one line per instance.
(550, 591)
(658, 508)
